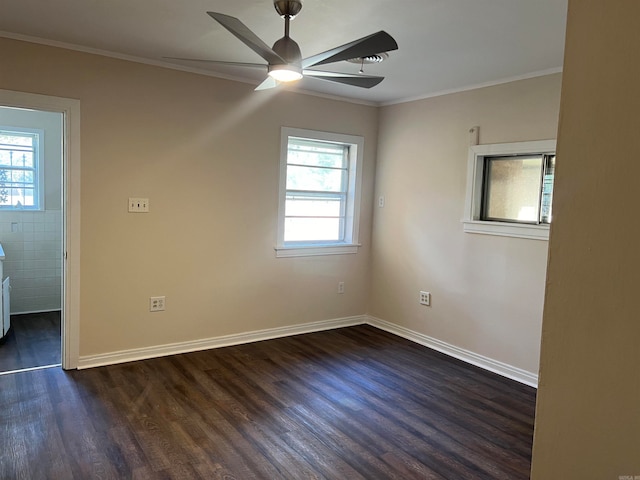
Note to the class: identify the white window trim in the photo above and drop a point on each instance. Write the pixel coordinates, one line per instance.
(475, 171)
(39, 162)
(355, 183)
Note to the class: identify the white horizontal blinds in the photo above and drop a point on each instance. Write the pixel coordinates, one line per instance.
(316, 191)
(18, 163)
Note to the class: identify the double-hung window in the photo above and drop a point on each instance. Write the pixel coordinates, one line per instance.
(510, 189)
(20, 168)
(319, 193)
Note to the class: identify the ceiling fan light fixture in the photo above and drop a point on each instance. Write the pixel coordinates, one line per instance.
(285, 73)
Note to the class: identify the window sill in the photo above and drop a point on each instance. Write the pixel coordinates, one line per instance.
(533, 232)
(21, 209)
(314, 250)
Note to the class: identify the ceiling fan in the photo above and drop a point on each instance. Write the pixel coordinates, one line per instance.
(284, 59)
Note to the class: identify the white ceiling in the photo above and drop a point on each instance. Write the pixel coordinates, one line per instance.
(444, 45)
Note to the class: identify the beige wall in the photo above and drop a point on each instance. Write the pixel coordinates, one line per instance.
(487, 291)
(588, 413)
(205, 151)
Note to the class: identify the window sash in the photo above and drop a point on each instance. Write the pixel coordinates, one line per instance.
(329, 163)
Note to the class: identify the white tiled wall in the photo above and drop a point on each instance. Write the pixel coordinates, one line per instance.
(32, 243)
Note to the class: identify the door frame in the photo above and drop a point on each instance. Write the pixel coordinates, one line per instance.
(70, 109)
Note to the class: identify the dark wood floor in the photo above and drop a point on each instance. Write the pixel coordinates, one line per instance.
(33, 341)
(352, 403)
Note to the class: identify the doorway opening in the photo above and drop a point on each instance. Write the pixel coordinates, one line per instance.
(39, 231)
(30, 237)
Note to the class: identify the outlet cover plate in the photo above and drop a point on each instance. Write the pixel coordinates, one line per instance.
(156, 304)
(425, 298)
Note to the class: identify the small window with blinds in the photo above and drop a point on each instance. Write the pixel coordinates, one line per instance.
(510, 189)
(20, 172)
(318, 193)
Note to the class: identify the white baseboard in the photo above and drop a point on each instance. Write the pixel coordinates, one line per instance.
(514, 373)
(481, 361)
(132, 355)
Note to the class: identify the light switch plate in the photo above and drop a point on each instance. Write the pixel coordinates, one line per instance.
(138, 205)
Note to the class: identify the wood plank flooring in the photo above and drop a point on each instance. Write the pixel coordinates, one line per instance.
(33, 341)
(350, 403)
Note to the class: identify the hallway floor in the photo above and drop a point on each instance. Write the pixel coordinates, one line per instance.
(33, 341)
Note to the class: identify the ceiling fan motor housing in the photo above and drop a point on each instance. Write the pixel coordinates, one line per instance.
(288, 49)
(287, 8)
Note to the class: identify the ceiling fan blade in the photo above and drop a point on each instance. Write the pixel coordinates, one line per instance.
(217, 62)
(359, 80)
(246, 36)
(268, 83)
(375, 43)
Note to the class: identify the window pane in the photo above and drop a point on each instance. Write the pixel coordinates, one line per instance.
(18, 176)
(316, 160)
(26, 197)
(303, 152)
(19, 140)
(314, 179)
(303, 206)
(310, 229)
(5, 157)
(21, 159)
(512, 188)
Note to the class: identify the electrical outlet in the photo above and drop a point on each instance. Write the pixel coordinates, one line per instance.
(381, 201)
(425, 298)
(156, 304)
(340, 287)
(138, 205)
